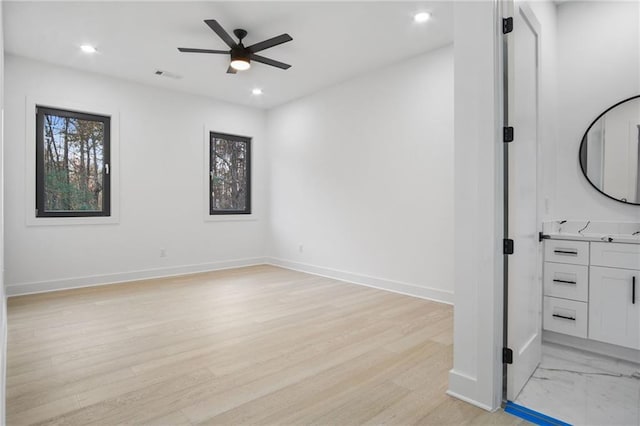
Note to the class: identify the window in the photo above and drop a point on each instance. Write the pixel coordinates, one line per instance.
(230, 174)
(72, 163)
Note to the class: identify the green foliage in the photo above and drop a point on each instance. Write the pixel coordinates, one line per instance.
(229, 175)
(63, 195)
(73, 157)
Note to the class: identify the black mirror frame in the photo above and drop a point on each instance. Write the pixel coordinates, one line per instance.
(581, 157)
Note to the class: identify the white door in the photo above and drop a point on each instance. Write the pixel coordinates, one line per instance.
(524, 277)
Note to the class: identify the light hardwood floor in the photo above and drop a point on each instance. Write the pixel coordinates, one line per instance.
(257, 345)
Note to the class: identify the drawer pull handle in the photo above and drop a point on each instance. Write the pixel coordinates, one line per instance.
(565, 282)
(566, 252)
(633, 290)
(564, 317)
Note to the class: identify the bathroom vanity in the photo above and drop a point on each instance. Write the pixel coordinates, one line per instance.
(591, 285)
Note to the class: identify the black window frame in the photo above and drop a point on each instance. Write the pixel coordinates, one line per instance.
(234, 138)
(41, 111)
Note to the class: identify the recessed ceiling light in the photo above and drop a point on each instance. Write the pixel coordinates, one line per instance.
(257, 91)
(87, 48)
(422, 17)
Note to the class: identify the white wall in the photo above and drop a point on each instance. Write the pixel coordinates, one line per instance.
(3, 298)
(362, 179)
(476, 372)
(598, 65)
(161, 186)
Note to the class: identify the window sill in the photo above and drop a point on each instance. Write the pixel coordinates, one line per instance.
(72, 221)
(231, 218)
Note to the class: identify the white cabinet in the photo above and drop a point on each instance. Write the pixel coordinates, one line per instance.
(592, 291)
(614, 306)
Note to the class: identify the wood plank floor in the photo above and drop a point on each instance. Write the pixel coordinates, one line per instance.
(258, 345)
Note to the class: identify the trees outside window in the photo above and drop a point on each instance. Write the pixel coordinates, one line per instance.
(230, 174)
(72, 163)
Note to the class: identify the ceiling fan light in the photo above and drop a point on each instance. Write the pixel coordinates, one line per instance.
(240, 64)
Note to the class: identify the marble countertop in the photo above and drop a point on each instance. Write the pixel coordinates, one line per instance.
(611, 232)
(585, 236)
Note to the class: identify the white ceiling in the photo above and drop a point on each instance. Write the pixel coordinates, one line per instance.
(332, 41)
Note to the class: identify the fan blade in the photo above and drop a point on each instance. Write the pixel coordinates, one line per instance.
(217, 28)
(190, 50)
(271, 62)
(231, 70)
(282, 38)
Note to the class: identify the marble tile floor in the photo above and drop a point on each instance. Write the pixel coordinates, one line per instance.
(582, 388)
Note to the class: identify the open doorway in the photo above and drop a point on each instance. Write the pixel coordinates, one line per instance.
(572, 317)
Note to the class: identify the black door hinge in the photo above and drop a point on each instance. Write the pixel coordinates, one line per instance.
(507, 25)
(542, 236)
(507, 134)
(507, 246)
(507, 356)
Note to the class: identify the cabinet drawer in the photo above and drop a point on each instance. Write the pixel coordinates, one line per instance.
(561, 251)
(615, 255)
(565, 316)
(566, 281)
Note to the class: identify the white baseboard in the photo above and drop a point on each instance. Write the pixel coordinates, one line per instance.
(600, 348)
(436, 295)
(471, 401)
(3, 358)
(19, 289)
(461, 386)
(379, 283)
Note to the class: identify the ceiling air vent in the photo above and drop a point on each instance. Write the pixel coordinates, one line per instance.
(168, 74)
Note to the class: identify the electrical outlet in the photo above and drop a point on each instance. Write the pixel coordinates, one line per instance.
(300, 248)
(163, 252)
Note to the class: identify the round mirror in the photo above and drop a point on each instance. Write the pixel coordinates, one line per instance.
(609, 154)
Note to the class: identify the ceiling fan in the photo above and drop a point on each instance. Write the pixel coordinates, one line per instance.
(242, 56)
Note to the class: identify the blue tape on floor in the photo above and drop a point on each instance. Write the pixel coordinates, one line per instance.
(532, 416)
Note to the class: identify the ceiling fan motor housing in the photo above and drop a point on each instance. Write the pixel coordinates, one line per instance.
(240, 53)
